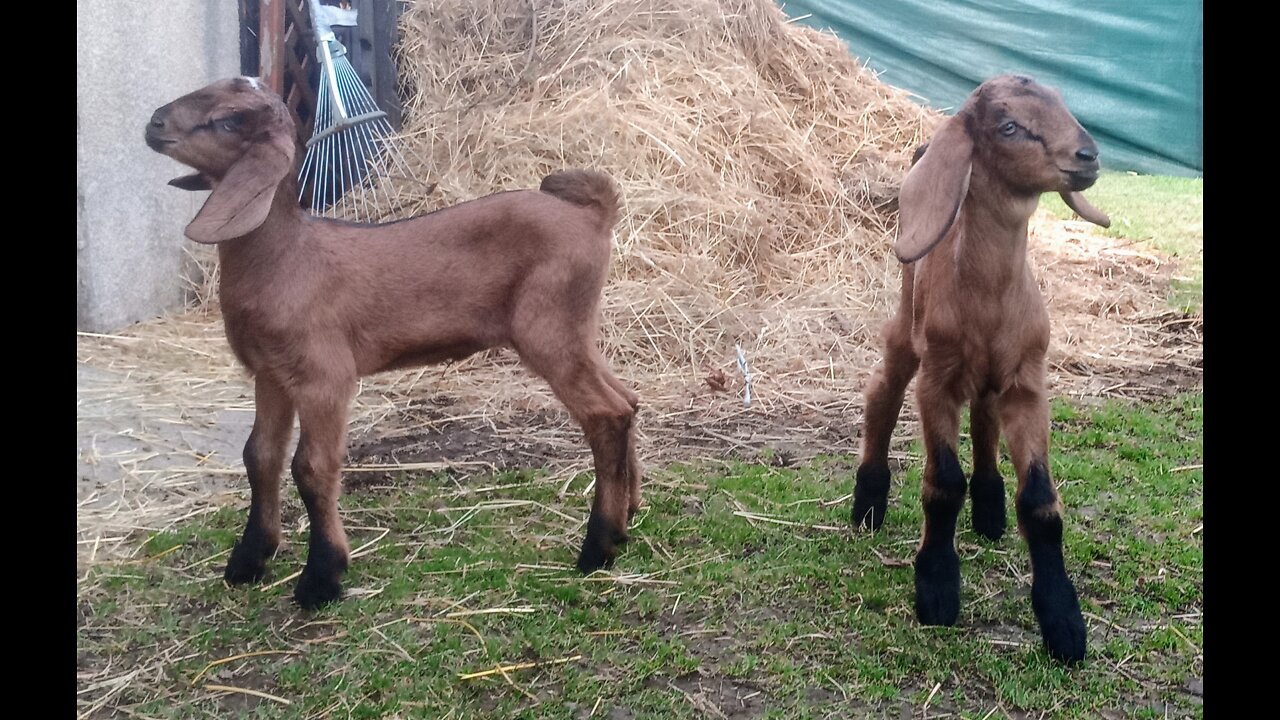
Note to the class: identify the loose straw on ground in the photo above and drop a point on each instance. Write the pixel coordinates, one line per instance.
(503, 669)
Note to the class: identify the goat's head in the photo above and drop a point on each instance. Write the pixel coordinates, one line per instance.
(239, 138)
(1022, 136)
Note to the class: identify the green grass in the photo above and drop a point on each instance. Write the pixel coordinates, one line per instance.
(1160, 212)
(706, 611)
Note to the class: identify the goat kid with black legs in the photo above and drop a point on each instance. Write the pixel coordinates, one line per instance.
(310, 305)
(972, 322)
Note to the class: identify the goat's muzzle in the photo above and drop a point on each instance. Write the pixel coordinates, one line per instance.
(155, 131)
(1085, 173)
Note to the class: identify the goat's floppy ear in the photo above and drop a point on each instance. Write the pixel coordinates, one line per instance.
(1084, 209)
(242, 199)
(933, 190)
(191, 182)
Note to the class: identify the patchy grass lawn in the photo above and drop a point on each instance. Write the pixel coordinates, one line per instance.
(742, 594)
(1160, 212)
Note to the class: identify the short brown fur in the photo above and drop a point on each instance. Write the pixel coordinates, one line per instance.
(311, 305)
(972, 321)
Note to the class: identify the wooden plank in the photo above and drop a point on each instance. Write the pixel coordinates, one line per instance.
(303, 126)
(298, 44)
(300, 17)
(299, 71)
(301, 94)
(271, 44)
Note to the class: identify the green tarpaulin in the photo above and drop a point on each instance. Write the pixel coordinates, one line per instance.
(1130, 71)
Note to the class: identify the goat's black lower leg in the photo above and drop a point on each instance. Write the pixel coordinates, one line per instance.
(884, 396)
(1024, 412)
(1053, 595)
(600, 545)
(321, 579)
(611, 507)
(263, 460)
(319, 486)
(327, 553)
(248, 560)
(937, 566)
(870, 494)
(317, 470)
(986, 486)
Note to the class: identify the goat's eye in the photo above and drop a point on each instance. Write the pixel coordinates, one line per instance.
(1009, 128)
(229, 123)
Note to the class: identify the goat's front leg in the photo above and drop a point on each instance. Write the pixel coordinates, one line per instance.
(1025, 414)
(986, 486)
(264, 455)
(884, 396)
(937, 566)
(317, 470)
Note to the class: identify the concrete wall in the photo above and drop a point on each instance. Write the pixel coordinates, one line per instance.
(133, 57)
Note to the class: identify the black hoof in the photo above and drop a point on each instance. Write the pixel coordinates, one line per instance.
(938, 586)
(248, 563)
(601, 544)
(1061, 623)
(316, 589)
(321, 581)
(987, 492)
(870, 496)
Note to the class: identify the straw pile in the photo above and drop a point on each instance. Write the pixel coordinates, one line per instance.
(759, 163)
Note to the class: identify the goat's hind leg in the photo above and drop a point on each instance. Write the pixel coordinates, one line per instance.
(634, 472)
(937, 566)
(264, 456)
(986, 486)
(1025, 414)
(583, 383)
(884, 396)
(607, 419)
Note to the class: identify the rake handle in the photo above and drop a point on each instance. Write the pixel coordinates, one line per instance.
(325, 39)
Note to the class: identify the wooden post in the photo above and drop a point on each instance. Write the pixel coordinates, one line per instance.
(271, 44)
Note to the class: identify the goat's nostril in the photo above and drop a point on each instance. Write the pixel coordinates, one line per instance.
(1087, 154)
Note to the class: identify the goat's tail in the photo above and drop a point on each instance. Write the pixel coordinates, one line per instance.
(586, 188)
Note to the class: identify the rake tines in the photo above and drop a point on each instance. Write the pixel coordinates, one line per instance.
(352, 163)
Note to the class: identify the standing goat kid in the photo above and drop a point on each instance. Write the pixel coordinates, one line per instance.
(311, 305)
(971, 319)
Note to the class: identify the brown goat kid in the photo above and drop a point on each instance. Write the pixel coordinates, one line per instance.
(311, 305)
(972, 321)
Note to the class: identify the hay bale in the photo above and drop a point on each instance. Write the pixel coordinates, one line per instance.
(759, 161)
